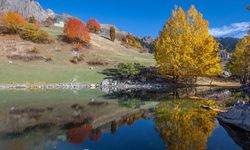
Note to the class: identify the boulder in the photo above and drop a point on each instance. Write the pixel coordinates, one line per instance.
(105, 32)
(247, 90)
(238, 116)
(241, 137)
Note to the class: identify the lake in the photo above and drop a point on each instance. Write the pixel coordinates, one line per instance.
(90, 119)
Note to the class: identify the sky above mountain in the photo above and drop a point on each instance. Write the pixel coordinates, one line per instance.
(147, 17)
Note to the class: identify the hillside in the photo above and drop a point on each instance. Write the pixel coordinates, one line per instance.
(52, 62)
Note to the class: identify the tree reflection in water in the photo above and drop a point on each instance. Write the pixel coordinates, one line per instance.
(183, 125)
(78, 135)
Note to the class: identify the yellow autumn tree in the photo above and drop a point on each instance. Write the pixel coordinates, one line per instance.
(185, 49)
(240, 64)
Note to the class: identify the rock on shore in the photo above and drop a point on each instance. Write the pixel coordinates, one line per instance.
(238, 116)
(111, 86)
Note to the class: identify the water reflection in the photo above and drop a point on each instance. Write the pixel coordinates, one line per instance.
(94, 120)
(78, 135)
(212, 93)
(239, 136)
(184, 125)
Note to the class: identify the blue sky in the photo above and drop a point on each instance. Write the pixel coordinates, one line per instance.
(147, 17)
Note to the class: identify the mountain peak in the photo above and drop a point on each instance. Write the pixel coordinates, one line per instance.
(27, 8)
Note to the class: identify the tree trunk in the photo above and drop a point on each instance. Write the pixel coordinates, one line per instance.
(211, 81)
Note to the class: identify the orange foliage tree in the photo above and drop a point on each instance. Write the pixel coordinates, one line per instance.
(76, 31)
(13, 21)
(93, 26)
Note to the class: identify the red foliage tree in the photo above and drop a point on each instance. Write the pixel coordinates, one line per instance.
(76, 31)
(93, 26)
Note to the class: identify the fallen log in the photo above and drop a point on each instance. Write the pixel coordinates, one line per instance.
(214, 109)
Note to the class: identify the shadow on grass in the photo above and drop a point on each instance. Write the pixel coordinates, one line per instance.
(111, 73)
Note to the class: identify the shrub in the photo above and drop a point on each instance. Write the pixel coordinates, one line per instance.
(76, 59)
(32, 19)
(32, 33)
(13, 22)
(112, 33)
(93, 26)
(129, 69)
(76, 31)
(131, 41)
(97, 63)
(34, 50)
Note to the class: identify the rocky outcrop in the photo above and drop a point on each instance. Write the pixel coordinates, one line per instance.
(26, 8)
(147, 43)
(110, 86)
(105, 32)
(238, 116)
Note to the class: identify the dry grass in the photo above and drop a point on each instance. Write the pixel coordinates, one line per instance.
(217, 82)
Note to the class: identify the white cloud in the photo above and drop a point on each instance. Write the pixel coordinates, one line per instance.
(234, 30)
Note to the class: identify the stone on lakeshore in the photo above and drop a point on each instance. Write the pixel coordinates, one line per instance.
(238, 116)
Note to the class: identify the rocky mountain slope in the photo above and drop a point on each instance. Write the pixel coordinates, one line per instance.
(147, 43)
(26, 7)
(228, 43)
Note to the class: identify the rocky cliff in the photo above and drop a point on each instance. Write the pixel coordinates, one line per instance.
(105, 31)
(25, 7)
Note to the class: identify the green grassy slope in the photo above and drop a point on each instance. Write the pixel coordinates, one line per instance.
(60, 70)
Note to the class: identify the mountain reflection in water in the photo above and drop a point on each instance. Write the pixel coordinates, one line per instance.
(123, 120)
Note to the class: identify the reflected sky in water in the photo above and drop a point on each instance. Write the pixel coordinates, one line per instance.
(90, 119)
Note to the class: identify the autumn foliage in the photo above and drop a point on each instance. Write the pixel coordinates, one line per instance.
(240, 64)
(76, 31)
(184, 49)
(32, 32)
(131, 41)
(93, 26)
(13, 21)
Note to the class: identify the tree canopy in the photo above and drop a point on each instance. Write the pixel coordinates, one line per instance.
(185, 49)
(76, 31)
(240, 64)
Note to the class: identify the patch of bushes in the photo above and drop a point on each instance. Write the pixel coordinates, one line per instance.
(129, 69)
(32, 19)
(13, 21)
(31, 32)
(97, 63)
(93, 26)
(112, 33)
(25, 58)
(34, 50)
(77, 59)
(131, 41)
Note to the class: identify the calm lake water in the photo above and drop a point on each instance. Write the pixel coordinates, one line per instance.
(93, 120)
